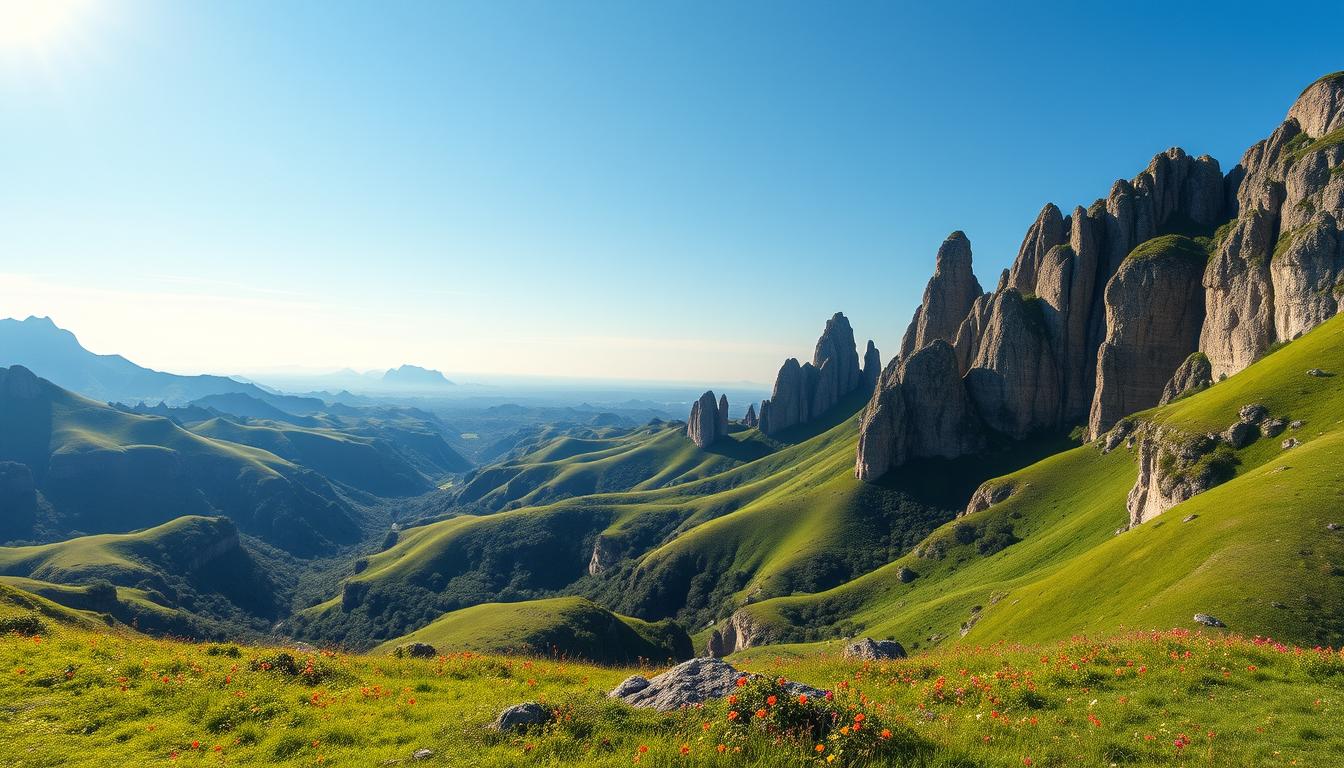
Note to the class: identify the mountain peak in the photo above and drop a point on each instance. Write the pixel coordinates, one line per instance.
(414, 375)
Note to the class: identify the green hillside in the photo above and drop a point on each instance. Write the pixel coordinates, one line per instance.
(565, 626)
(1048, 561)
(189, 577)
(101, 469)
(793, 520)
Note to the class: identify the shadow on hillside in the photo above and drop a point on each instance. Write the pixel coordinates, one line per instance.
(744, 450)
(949, 483)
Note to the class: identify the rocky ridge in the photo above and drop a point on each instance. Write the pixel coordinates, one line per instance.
(1103, 309)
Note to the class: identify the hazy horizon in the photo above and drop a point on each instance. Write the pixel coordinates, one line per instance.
(585, 191)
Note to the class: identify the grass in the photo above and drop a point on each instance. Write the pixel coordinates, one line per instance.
(1194, 250)
(568, 626)
(76, 695)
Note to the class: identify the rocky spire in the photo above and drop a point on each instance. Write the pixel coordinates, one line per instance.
(872, 366)
(947, 297)
(703, 425)
(1014, 379)
(803, 392)
(1045, 233)
(722, 426)
(750, 418)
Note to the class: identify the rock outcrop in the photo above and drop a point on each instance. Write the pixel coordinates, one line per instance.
(947, 297)
(1154, 312)
(750, 418)
(521, 717)
(804, 392)
(1102, 308)
(872, 366)
(919, 408)
(706, 424)
(1194, 375)
(739, 633)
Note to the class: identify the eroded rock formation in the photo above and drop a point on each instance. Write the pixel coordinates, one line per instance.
(703, 426)
(803, 392)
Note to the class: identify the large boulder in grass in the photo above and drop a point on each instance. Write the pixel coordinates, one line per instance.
(869, 649)
(693, 682)
(415, 651)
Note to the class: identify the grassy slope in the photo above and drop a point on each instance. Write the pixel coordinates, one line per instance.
(571, 626)
(73, 696)
(1259, 540)
(107, 470)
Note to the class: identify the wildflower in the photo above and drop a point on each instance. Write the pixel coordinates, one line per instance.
(741, 682)
(1026, 761)
(733, 715)
(704, 726)
(886, 733)
(732, 698)
(802, 698)
(770, 700)
(195, 745)
(760, 713)
(859, 718)
(722, 748)
(820, 748)
(685, 749)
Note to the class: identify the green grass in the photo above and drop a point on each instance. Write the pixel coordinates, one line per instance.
(564, 626)
(78, 696)
(1194, 250)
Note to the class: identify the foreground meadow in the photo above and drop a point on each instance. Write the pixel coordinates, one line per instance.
(76, 694)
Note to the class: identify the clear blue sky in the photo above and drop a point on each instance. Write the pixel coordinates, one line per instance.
(675, 192)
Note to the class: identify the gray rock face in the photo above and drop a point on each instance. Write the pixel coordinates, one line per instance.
(804, 392)
(872, 366)
(1154, 312)
(521, 717)
(947, 297)
(1307, 275)
(1170, 471)
(695, 682)
(882, 430)
(1014, 380)
(1239, 296)
(702, 427)
(1320, 108)
(415, 651)
(1194, 375)
(869, 649)
(919, 408)
(737, 634)
(1045, 233)
(750, 419)
(722, 425)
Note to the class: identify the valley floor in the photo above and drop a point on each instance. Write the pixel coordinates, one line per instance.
(76, 695)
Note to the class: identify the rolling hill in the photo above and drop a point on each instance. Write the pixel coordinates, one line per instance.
(98, 469)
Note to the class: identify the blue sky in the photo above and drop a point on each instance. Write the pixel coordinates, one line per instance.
(680, 192)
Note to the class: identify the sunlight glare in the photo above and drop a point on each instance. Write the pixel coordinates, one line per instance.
(36, 25)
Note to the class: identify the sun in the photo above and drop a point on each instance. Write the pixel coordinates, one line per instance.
(37, 25)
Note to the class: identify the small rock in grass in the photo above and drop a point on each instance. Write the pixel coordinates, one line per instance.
(1208, 621)
(422, 754)
(1333, 526)
(1291, 442)
(520, 717)
(1240, 434)
(1188, 518)
(906, 575)
(1278, 605)
(1317, 372)
(1272, 427)
(1295, 424)
(1253, 413)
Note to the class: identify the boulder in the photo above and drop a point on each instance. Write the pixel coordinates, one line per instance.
(1240, 435)
(1291, 442)
(422, 754)
(1253, 413)
(869, 649)
(1195, 374)
(521, 717)
(989, 493)
(1208, 621)
(1272, 427)
(695, 682)
(1318, 373)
